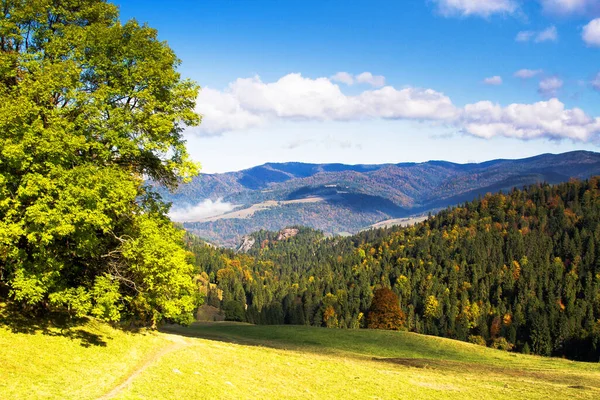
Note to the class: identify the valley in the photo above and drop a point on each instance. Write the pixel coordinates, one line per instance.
(248, 212)
(339, 198)
(299, 200)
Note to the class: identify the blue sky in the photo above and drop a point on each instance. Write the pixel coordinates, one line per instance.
(440, 78)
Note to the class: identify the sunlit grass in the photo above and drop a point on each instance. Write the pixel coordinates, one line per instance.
(245, 361)
(225, 360)
(81, 362)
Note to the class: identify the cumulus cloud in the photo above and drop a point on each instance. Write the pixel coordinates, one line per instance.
(591, 33)
(365, 77)
(293, 97)
(562, 7)
(203, 209)
(527, 73)
(487, 8)
(549, 87)
(493, 80)
(549, 34)
(373, 80)
(221, 111)
(481, 8)
(250, 102)
(545, 119)
(408, 103)
(343, 77)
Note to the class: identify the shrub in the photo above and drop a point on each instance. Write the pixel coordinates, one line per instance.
(476, 339)
(502, 344)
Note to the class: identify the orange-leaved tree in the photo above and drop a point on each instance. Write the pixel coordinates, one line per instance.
(385, 312)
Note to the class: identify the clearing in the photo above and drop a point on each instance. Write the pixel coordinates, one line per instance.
(229, 360)
(397, 221)
(248, 212)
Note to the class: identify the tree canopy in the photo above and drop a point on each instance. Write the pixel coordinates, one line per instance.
(90, 108)
(385, 312)
(517, 270)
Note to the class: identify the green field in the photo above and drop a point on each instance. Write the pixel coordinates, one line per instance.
(226, 360)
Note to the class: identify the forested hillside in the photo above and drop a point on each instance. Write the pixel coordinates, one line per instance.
(339, 198)
(519, 270)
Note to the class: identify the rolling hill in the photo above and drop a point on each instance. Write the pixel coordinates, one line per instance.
(91, 360)
(337, 198)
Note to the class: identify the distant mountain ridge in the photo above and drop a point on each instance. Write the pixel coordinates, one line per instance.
(339, 198)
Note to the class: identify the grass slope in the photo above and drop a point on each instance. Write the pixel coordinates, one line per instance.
(77, 362)
(225, 360)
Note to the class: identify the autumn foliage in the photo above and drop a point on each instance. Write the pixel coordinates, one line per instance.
(385, 312)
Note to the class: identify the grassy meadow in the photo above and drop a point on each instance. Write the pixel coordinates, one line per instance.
(77, 362)
(91, 360)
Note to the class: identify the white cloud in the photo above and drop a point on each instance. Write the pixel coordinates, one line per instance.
(493, 80)
(562, 7)
(221, 112)
(524, 36)
(481, 8)
(373, 80)
(591, 33)
(203, 209)
(527, 73)
(251, 101)
(408, 103)
(487, 8)
(550, 86)
(365, 77)
(596, 82)
(343, 77)
(545, 119)
(546, 35)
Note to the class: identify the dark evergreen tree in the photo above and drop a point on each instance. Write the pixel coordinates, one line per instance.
(518, 270)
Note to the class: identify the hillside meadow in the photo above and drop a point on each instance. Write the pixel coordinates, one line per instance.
(91, 360)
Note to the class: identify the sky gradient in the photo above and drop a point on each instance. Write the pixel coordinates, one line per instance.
(377, 82)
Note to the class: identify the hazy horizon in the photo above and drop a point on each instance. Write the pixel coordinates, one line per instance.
(398, 162)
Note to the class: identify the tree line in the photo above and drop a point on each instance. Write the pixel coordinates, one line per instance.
(518, 271)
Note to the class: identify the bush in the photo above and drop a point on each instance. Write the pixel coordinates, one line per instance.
(476, 339)
(502, 344)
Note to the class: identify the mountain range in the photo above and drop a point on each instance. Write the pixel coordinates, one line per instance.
(340, 199)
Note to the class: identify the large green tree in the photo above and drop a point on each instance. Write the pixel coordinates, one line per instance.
(90, 108)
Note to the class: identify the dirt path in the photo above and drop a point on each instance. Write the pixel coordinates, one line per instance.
(178, 344)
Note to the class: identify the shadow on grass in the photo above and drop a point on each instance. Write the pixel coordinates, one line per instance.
(408, 350)
(360, 343)
(246, 334)
(50, 324)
